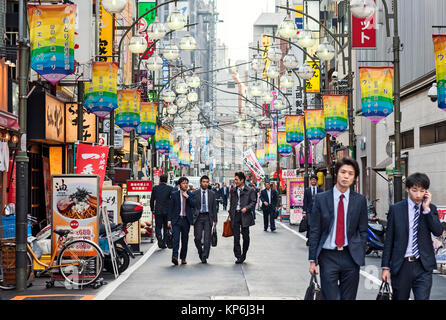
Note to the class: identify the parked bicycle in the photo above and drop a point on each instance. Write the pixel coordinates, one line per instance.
(79, 261)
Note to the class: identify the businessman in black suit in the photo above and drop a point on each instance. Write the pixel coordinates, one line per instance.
(338, 234)
(408, 258)
(268, 197)
(242, 204)
(205, 216)
(225, 194)
(180, 218)
(159, 205)
(309, 195)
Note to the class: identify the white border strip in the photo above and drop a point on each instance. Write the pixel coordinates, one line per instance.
(109, 288)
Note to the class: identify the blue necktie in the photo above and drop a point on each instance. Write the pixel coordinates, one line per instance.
(203, 202)
(415, 250)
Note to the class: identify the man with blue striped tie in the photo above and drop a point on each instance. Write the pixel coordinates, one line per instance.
(408, 257)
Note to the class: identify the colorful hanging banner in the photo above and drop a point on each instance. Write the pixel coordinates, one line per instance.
(147, 126)
(314, 121)
(52, 40)
(105, 34)
(162, 140)
(335, 113)
(285, 149)
(250, 160)
(376, 92)
(127, 114)
(294, 127)
(270, 152)
(174, 155)
(101, 93)
(260, 155)
(440, 64)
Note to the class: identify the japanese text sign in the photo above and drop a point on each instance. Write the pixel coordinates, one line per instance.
(364, 32)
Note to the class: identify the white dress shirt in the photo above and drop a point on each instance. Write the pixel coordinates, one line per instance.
(268, 191)
(330, 242)
(238, 201)
(206, 200)
(411, 205)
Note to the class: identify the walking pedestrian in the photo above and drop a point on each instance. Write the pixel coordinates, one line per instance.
(269, 198)
(408, 258)
(338, 234)
(218, 194)
(159, 205)
(309, 195)
(242, 203)
(205, 216)
(225, 196)
(180, 218)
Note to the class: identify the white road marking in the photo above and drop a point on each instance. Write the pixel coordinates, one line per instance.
(252, 298)
(109, 288)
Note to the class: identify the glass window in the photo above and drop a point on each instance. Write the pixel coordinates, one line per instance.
(427, 135)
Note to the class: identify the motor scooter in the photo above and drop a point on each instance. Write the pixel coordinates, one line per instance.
(375, 230)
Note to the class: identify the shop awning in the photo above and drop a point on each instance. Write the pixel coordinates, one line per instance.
(9, 120)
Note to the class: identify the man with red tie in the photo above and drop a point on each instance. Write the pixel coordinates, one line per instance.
(338, 234)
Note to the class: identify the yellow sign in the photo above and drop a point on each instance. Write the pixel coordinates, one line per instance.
(105, 35)
(314, 84)
(89, 124)
(266, 42)
(54, 119)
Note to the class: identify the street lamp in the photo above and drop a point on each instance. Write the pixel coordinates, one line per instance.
(256, 90)
(154, 63)
(290, 61)
(274, 54)
(278, 104)
(288, 28)
(193, 81)
(137, 44)
(171, 51)
(273, 71)
(156, 30)
(180, 86)
(168, 96)
(172, 109)
(325, 51)
(114, 6)
(362, 8)
(176, 20)
(306, 39)
(258, 64)
(188, 43)
(182, 101)
(192, 96)
(305, 71)
(286, 81)
(267, 97)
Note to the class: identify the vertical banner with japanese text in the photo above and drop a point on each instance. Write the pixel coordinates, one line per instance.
(285, 149)
(105, 34)
(101, 93)
(335, 113)
(260, 155)
(440, 64)
(147, 126)
(315, 125)
(314, 84)
(92, 159)
(145, 22)
(364, 32)
(376, 92)
(52, 40)
(250, 160)
(294, 126)
(127, 115)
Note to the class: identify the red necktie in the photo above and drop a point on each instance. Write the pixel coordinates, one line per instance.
(340, 224)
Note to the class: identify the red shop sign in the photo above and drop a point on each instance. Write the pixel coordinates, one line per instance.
(364, 32)
(139, 186)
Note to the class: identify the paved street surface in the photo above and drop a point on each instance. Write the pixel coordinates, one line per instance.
(276, 268)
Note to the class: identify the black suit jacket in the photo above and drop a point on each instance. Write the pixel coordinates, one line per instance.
(218, 193)
(225, 192)
(308, 199)
(160, 198)
(264, 198)
(248, 200)
(212, 205)
(175, 207)
(322, 221)
(397, 236)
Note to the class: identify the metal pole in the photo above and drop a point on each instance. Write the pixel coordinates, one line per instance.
(132, 151)
(306, 175)
(22, 156)
(111, 153)
(351, 131)
(80, 111)
(396, 97)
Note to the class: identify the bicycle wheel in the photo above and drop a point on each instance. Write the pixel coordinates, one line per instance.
(83, 260)
(8, 266)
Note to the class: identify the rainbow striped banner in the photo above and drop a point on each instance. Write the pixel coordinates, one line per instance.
(52, 40)
(100, 94)
(147, 126)
(314, 121)
(129, 106)
(162, 140)
(260, 155)
(376, 92)
(174, 155)
(294, 128)
(335, 113)
(285, 149)
(270, 152)
(440, 64)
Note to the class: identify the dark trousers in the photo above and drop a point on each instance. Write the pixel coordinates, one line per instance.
(268, 216)
(201, 226)
(161, 224)
(237, 230)
(225, 203)
(180, 231)
(339, 275)
(411, 276)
